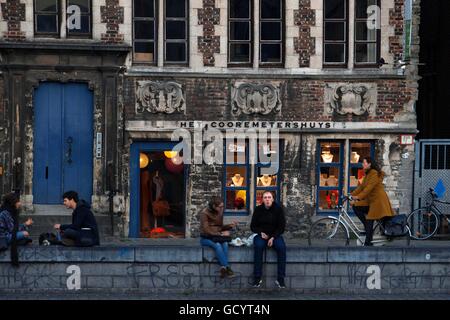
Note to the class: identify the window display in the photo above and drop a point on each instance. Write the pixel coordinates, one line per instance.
(330, 152)
(236, 176)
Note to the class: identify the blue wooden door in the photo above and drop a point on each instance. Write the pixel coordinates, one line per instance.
(63, 142)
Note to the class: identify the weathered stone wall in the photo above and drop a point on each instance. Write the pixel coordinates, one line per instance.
(190, 268)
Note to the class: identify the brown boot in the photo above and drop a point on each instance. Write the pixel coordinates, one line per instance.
(223, 272)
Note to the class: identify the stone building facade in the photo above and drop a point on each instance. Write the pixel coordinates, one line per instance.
(145, 85)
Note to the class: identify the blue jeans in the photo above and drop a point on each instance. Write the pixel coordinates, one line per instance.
(280, 247)
(20, 236)
(221, 250)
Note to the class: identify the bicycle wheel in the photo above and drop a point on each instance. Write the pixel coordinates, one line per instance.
(328, 230)
(423, 223)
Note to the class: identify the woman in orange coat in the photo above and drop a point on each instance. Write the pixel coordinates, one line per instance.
(370, 200)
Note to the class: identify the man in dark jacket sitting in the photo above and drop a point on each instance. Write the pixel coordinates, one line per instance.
(269, 222)
(83, 231)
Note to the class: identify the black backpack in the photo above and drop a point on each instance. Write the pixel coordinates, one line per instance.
(48, 238)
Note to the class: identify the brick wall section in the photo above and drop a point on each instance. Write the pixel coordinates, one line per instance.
(392, 96)
(305, 45)
(209, 43)
(113, 15)
(13, 11)
(396, 20)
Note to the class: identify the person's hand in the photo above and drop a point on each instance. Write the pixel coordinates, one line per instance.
(57, 226)
(226, 233)
(264, 236)
(352, 203)
(234, 224)
(270, 242)
(26, 234)
(29, 222)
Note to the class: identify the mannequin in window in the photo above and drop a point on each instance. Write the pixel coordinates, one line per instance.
(265, 180)
(237, 179)
(327, 156)
(355, 157)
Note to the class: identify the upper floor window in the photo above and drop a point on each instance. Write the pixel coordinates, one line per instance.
(367, 38)
(240, 29)
(271, 32)
(49, 16)
(176, 31)
(241, 32)
(144, 31)
(335, 33)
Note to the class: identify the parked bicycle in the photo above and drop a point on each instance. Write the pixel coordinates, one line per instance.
(339, 230)
(425, 221)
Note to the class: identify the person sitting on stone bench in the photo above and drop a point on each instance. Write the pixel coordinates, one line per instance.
(11, 232)
(83, 231)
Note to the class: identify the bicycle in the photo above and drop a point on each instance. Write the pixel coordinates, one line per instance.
(337, 229)
(425, 221)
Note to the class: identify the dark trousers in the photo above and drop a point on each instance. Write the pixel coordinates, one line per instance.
(361, 213)
(280, 247)
(71, 234)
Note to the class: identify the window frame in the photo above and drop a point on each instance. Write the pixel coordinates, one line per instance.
(377, 43)
(346, 41)
(186, 40)
(58, 15)
(155, 34)
(251, 20)
(81, 35)
(340, 166)
(282, 40)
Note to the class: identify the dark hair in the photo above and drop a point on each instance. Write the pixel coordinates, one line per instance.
(373, 164)
(214, 202)
(9, 204)
(71, 195)
(267, 191)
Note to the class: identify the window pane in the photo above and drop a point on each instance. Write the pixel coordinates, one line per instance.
(270, 30)
(84, 5)
(334, 53)
(176, 8)
(271, 9)
(271, 52)
(175, 30)
(85, 26)
(366, 52)
(335, 31)
(143, 30)
(176, 52)
(259, 196)
(240, 52)
(335, 9)
(363, 33)
(46, 5)
(236, 176)
(356, 177)
(46, 23)
(361, 7)
(359, 150)
(329, 177)
(239, 31)
(144, 51)
(330, 152)
(144, 8)
(328, 200)
(239, 9)
(235, 153)
(236, 200)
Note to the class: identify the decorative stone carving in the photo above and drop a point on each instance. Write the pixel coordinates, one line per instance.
(252, 98)
(350, 98)
(159, 97)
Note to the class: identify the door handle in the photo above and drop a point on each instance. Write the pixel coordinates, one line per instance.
(69, 141)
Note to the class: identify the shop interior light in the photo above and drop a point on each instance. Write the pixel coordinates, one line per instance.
(143, 160)
(170, 154)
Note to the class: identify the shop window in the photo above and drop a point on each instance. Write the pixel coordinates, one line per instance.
(358, 151)
(46, 17)
(144, 31)
(271, 32)
(330, 173)
(367, 41)
(335, 33)
(240, 30)
(176, 31)
(236, 177)
(267, 176)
